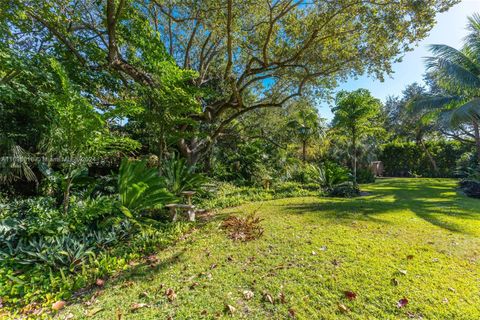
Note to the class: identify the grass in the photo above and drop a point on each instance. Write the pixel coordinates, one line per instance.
(420, 232)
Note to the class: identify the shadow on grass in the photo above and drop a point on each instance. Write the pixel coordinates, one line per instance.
(434, 201)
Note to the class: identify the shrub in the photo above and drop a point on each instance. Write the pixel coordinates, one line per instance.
(140, 188)
(334, 174)
(401, 159)
(470, 187)
(179, 176)
(345, 190)
(365, 176)
(223, 195)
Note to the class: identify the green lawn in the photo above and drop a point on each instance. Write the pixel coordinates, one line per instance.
(420, 232)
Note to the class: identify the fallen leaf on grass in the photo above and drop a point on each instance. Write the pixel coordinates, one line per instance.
(69, 316)
(247, 294)
(193, 285)
(343, 308)
(94, 311)
(59, 305)
(292, 313)
(268, 298)
(410, 257)
(335, 262)
(118, 314)
(213, 266)
(281, 297)
(136, 306)
(100, 282)
(395, 282)
(171, 295)
(402, 303)
(230, 309)
(350, 295)
(404, 272)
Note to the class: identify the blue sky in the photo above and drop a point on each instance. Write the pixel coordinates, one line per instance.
(450, 30)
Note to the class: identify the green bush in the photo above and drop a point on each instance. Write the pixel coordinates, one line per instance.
(140, 188)
(365, 176)
(180, 176)
(344, 190)
(224, 195)
(404, 159)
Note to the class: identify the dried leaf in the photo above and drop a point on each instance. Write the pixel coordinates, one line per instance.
(59, 305)
(171, 295)
(213, 266)
(402, 303)
(136, 306)
(268, 298)
(314, 253)
(404, 272)
(410, 257)
(94, 311)
(247, 294)
(292, 313)
(100, 282)
(395, 282)
(230, 309)
(343, 308)
(118, 314)
(281, 297)
(193, 285)
(350, 295)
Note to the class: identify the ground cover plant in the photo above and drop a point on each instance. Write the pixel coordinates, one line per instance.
(407, 250)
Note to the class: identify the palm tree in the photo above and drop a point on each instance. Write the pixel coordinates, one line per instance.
(306, 125)
(457, 73)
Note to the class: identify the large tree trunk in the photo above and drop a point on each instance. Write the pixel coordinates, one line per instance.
(477, 137)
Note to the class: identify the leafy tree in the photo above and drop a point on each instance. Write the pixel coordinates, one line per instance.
(457, 74)
(247, 55)
(78, 134)
(356, 117)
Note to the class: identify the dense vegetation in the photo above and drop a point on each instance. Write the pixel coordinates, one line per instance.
(112, 109)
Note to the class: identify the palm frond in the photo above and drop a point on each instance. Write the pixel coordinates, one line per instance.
(466, 112)
(431, 103)
(455, 56)
(458, 76)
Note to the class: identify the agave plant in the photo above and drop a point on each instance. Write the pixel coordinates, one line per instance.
(140, 188)
(457, 72)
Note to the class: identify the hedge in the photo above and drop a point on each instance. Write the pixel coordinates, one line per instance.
(403, 159)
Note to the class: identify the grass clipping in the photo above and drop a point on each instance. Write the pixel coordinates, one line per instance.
(243, 228)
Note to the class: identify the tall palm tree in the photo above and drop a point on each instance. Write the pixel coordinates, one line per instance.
(457, 72)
